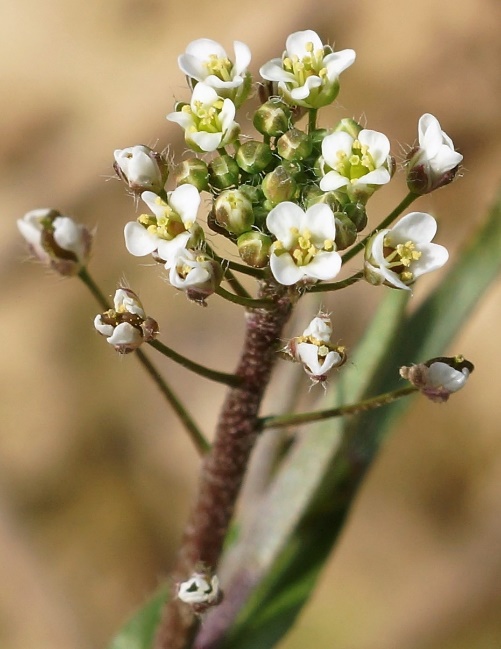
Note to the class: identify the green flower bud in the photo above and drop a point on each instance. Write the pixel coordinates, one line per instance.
(346, 232)
(357, 213)
(278, 185)
(192, 172)
(254, 248)
(294, 145)
(223, 172)
(233, 211)
(350, 126)
(253, 193)
(317, 137)
(254, 156)
(329, 198)
(272, 118)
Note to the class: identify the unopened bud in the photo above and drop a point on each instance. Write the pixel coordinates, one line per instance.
(254, 248)
(350, 126)
(294, 145)
(201, 591)
(223, 172)
(254, 156)
(272, 118)
(279, 186)
(126, 326)
(357, 214)
(56, 240)
(192, 172)
(346, 232)
(233, 211)
(141, 168)
(439, 377)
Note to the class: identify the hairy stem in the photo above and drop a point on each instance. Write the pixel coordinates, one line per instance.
(224, 467)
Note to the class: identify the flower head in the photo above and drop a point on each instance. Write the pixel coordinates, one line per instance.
(170, 228)
(56, 240)
(398, 256)
(314, 349)
(141, 168)
(355, 165)
(208, 121)
(308, 72)
(126, 326)
(438, 378)
(434, 163)
(206, 61)
(195, 273)
(305, 248)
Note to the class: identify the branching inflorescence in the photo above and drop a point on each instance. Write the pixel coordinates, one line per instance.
(290, 200)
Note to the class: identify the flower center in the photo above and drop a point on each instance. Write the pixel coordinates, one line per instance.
(219, 67)
(356, 165)
(205, 118)
(399, 258)
(167, 226)
(311, 64)
(302, 250)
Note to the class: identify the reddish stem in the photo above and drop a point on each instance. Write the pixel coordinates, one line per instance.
(224, 467)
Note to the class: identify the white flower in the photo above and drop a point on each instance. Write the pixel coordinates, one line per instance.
(398, 256)
(208, 121)
(206, 61)
(305, 248)
(359, 165)
(314, 350)
(171, 228)
(126, 326)
(195, 273)
(443, 376)
(199, 589)
(435, 162)
(56, 240)
(308, 72)
(141, 168)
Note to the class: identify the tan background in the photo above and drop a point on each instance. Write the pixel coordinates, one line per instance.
(96, 476)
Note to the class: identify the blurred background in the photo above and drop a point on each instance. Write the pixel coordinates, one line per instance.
(96, 476)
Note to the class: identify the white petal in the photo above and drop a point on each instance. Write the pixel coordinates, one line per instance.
(442, 375)
(126, 334)
(273, 71)
(319, 328)
(418, 227)
(378, 143)
(282, 218)
(319, 220)
(445, 159)
(204, 48)
(206, 141)
(336, 62)
(169, 250)
(433, 257)
(379, 176)
(334, 143)
(332, 181)
(69, 236)
(185, 200)
(296, 43)
(185, 120)
(242, 57)
(325, 266)
(285, 270)
(138, 240)
(304, 91)
(227, 114)
(429, 134)
(204, 94)
(102, 328)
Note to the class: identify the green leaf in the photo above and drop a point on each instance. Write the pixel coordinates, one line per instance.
(305, 510)
(139, 631)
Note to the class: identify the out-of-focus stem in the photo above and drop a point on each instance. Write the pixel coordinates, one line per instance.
(248, 302)
(336, 286)
(224, 467)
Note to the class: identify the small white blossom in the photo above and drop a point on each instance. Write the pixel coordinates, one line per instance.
(199, 589)
(438, 378)
(206, 61)
(141, 168)
(398, 256)
(195, 273)
(171, 227)
(56, 240)
(208, 121)
(126, 326)
(434, 162)
(315, 351)
(305, 248)
(308, 72)
(357, 165)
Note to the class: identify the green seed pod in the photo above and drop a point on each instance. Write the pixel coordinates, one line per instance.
(223, 172)
(193, 172)
(346, 232)
(254, 156)
(279, 186)
(233, 211)
(272, 118)
(357, 213)
(294, 145)
(254, 248)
